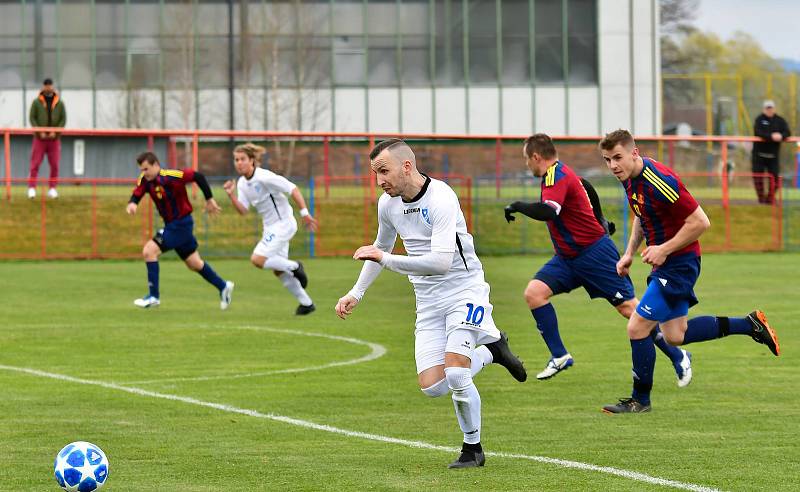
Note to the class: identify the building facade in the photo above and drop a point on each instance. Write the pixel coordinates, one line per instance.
(566, 67)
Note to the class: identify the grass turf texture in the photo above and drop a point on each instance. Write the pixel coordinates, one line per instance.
(733, 428)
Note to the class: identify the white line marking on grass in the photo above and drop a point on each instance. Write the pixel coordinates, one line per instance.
(376, 351)
(631, 475)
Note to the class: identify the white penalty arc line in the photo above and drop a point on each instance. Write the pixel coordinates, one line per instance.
(631, 475)
(376, 351)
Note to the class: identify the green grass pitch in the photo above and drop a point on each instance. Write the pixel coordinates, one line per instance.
(734, 428)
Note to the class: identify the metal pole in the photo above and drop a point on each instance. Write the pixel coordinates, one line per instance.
(312, 236)
(195, 160)
(399, 64)
(725, 194)
(632, 73)
(365, 74)
(161, 64)
(432, 59)
(465, 53)
(498, 12)
(498, 152)
(93, 9)
(194, 71)
(58, 42)
(532, 59)
(23, 61)
(230, 66)
(326, 160)
(565, 60)
(128, 66)
(7, 154)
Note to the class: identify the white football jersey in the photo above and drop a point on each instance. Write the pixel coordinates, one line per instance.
(266, 192)
(432, 222)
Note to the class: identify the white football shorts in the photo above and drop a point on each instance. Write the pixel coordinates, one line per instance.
(275, 239)
(455, 324)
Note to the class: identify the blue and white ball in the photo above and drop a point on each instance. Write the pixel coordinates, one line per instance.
(81, 467)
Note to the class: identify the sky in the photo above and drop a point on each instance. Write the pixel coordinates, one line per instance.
(773, 23)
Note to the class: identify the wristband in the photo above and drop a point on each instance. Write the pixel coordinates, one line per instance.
(304, 212)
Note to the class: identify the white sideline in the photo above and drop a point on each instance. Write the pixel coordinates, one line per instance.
(377, 351)
(631, 475)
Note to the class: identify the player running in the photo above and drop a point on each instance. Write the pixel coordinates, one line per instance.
(167, 189)
(585, 255)
(266, 192)
(670, 221)
(455, 334)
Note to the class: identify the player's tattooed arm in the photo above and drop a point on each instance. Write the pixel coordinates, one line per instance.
(537, 211)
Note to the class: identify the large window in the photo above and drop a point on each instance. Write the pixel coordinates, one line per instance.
(581, 41)
(290, 43)
(483, 41)
(516, 42)
(449, 33)
(549, 41)
(582, 47)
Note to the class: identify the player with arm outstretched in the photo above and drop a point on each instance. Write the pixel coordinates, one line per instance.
(455, 334)
(670, 221)
(585, 255)
(266, 192)
(167, 189)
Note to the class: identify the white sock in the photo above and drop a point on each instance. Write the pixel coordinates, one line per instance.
(481, 357)
(466, 401)
(293, 286)
(280, 264)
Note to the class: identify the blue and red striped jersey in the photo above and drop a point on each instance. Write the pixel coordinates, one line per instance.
(658, 197)
(168, 192)
(575, 226)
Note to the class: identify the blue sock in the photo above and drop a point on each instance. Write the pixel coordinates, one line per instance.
(643, 354)
(211, 276)
(152, 277)
(704, 328)
(547, 323)
(671, 351)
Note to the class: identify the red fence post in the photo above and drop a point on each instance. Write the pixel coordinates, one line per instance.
(43, 252)
(671, 153)
(369, 173)
(469, 204)
(498, 150)
(195, 160)
(150, 144)
(172, 153)
(94, 219)
(726, 194)
(326, 161)
(779, 212)
(7, 145)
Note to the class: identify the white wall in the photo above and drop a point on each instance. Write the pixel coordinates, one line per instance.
(628, 96)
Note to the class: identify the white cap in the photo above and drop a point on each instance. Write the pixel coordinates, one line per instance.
(769, 103)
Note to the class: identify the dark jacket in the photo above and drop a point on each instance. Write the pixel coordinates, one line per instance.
(764, 127)
(44, 114)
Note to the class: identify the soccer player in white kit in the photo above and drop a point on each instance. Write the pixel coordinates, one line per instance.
(455, 335)
(266, 192)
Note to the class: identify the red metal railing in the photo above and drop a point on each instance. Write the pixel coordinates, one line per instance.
(325, 137)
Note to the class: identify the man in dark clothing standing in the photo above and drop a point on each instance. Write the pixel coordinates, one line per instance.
(766, 153)
(47, 110)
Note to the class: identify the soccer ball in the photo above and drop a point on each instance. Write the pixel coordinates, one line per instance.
(81, 467)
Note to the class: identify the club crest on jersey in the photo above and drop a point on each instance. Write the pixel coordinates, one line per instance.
(159, 192)
(425, 216)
